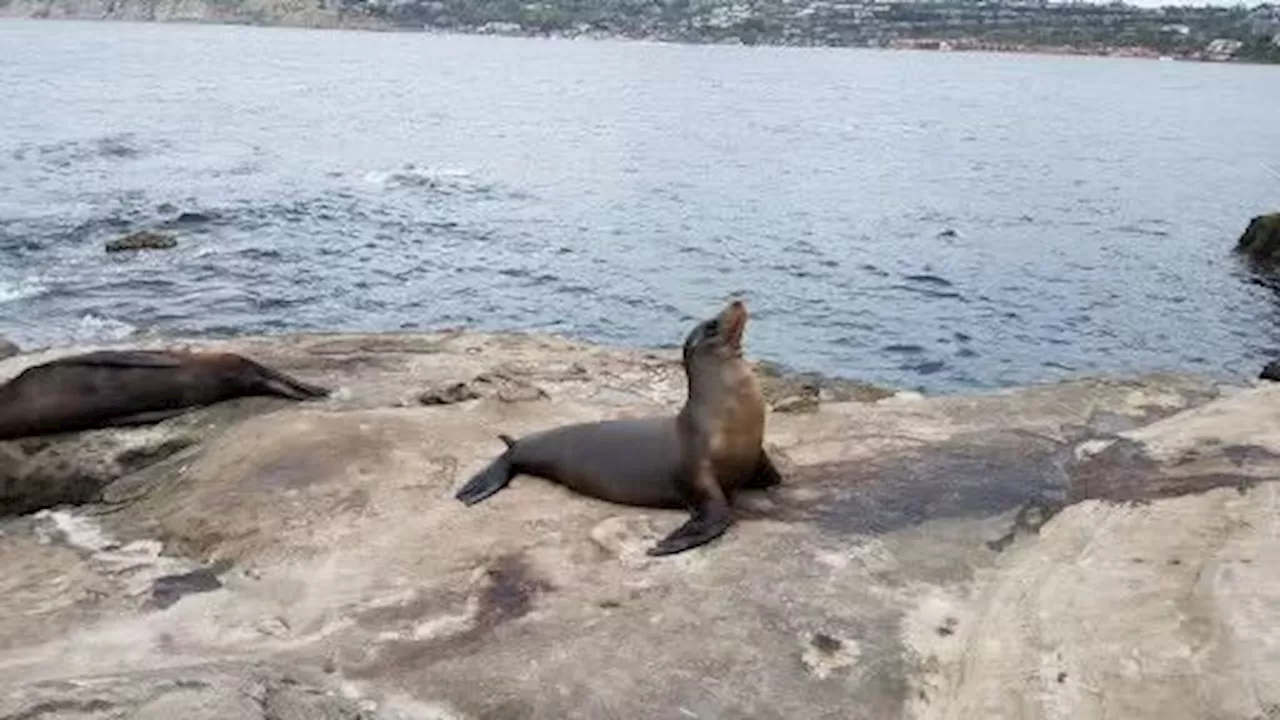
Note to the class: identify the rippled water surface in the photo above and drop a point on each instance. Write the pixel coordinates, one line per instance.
(944, 221)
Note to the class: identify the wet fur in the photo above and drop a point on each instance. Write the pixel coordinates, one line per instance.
(114, 388)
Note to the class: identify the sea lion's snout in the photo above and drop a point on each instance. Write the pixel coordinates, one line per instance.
(720, 336)
(733, 320)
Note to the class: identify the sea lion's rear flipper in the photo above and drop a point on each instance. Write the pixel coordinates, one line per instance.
(496, 476)
(274, 382)
(766, 474)
(145, 418)
(121, 358)
(711, 516)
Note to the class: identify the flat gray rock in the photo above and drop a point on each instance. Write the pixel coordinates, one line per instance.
(1090, 549)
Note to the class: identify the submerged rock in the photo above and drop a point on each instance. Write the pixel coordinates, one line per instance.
(142, 240)
(192, 217)
(1027, 553)
(7, 349)
(189, 218)
(1261, 240)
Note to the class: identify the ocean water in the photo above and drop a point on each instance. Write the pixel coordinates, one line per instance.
(929, 220)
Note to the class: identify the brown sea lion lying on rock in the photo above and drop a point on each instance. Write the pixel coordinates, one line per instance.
(113, 388)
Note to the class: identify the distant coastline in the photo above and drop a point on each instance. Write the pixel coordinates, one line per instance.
(1213, 34)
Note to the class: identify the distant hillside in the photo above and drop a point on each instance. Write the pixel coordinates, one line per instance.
(1199, 33)
(306, 13)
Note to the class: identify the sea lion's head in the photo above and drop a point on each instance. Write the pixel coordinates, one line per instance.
(719, 337)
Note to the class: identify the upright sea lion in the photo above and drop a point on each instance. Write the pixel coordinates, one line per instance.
(113, 388)
(696, 460)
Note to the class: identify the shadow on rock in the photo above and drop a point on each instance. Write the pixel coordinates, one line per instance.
(966, 477)
(1125, 472)
(169, 589)
(984, 476)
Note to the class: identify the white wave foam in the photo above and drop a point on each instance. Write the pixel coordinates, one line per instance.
(411, 175)
(11, 290)
(95, 328)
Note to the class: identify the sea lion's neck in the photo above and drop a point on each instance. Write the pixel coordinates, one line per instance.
(712, 380)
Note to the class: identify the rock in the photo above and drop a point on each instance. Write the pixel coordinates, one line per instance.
(805, 401)
(7, 349)
(1261, 239)
(1271, 371)
(1075, 549)
(73, 469)
(492, 384)
(214, 691)
(778, 385)
(45, 472)
(142, 240)
(191, 217)
(448, 395)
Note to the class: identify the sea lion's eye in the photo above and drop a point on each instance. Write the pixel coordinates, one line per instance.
(713, 327)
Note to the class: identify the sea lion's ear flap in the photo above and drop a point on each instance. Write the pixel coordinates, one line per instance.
(691, 340)
(733, 320)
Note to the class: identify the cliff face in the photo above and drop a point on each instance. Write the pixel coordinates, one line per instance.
(1093, 549)
(302, 13)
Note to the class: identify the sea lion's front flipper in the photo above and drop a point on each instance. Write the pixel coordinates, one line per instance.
(121, 358)
(275, 382)
(766, 474)
(711, 516)
(145, 418)
(496, 476)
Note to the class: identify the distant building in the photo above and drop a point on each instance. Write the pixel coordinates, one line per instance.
(1175, 29)
(1221, 49)
(500, 28)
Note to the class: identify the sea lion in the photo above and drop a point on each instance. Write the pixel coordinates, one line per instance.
(697, 459)
(134, 387)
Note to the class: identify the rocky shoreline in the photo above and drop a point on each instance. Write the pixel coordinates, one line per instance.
(1088, 549)
(276, 14)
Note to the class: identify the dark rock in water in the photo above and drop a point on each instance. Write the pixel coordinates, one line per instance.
(192, 218)
(928, 367)
(1261, 240)
(948, 233)
(8, 349)
(1271, 371)
(143, 240)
